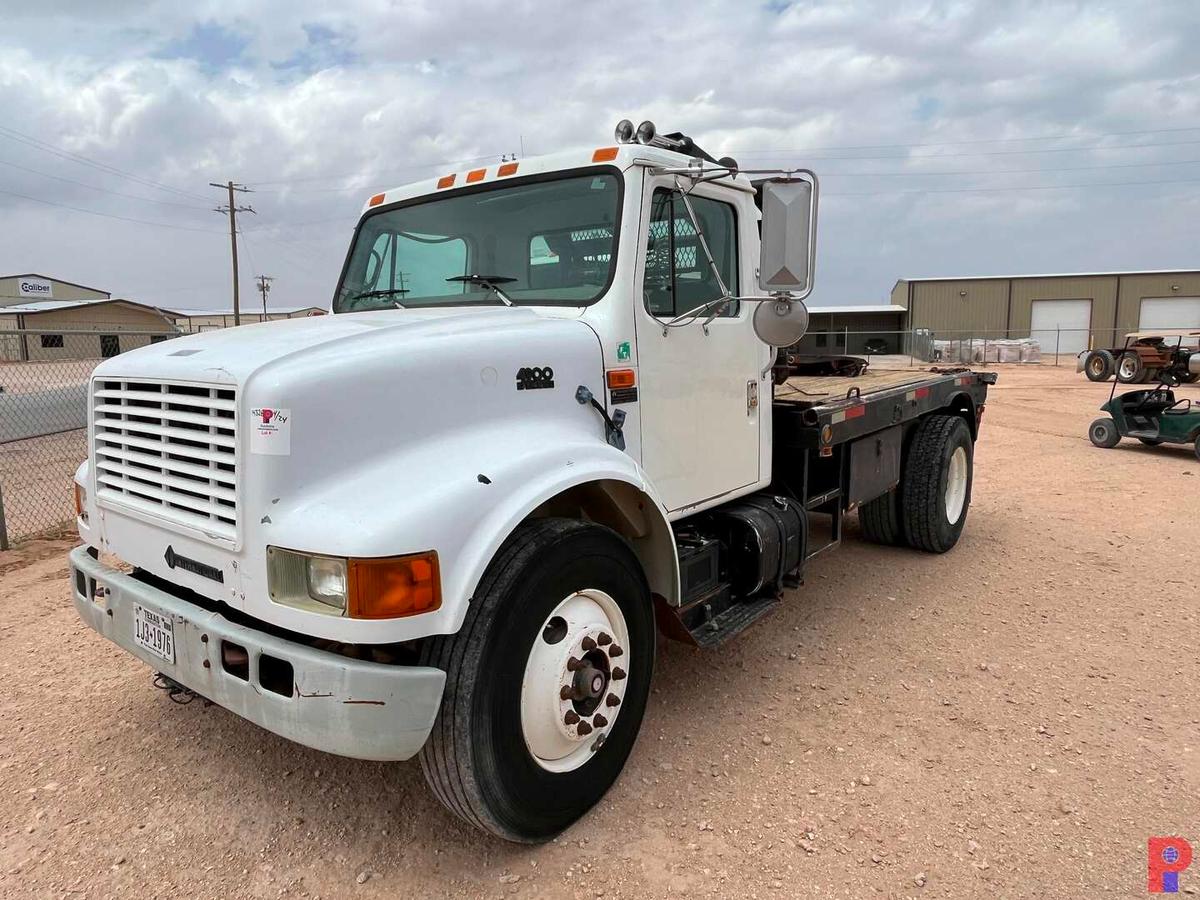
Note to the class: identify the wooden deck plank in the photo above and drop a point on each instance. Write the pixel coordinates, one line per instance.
(819, 389)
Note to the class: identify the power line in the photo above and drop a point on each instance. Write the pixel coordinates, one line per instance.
(362, 174)
(1183, 162)
(35, 143)
(1009, 190)
(93, 187)
(1054, 137)
(911, 156)
(92, 212)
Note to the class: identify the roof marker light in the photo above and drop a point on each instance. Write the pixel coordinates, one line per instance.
(604, 154)
(445, 181)
(376, 200)
(475, 175)
(507, 169)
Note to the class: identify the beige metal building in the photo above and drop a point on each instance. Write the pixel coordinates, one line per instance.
(43, 318)
(1070, 312)
(190, 321)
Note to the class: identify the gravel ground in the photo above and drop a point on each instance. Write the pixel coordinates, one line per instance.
(1012, 719)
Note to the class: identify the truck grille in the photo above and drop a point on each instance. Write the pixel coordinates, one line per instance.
(169, 450)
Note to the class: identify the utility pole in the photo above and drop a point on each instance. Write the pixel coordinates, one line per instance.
(264, 288)
(232, 210)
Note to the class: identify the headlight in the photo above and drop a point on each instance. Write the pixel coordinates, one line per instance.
(387, 588)
(313, 583)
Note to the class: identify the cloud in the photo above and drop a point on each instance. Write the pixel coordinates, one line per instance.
(316, 107)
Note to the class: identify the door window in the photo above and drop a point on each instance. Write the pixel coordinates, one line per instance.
(678, 277)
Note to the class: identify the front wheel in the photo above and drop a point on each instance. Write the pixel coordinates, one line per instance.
(1103, 433)
(546, 681)
(936, 486)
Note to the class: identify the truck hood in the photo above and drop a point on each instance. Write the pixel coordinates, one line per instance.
(233, 355)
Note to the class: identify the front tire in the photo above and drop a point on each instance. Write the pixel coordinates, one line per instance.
(532, 632)
(1099, 365)
(1103, 433)
(936, 487)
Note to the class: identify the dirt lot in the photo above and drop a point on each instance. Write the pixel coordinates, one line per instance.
(1013, 719)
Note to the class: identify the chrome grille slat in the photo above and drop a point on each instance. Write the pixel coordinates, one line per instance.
(168, 449)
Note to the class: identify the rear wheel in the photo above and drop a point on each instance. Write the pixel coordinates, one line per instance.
(1131, 369)
(936, 487)
(1099, 365)
(1103, 433)
(546, 681)
(880, 519)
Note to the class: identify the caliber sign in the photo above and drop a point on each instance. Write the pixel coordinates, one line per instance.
(35, 287)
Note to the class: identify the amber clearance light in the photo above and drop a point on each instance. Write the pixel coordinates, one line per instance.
(394, 587)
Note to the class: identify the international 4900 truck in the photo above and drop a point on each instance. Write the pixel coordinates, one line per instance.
(544, 423)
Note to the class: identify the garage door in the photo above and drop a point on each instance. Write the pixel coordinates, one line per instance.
(1165, 313)
(1061, 323)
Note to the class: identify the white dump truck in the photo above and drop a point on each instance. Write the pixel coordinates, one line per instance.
(544, 424)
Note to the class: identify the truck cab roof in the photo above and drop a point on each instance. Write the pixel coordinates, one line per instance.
(622, 156)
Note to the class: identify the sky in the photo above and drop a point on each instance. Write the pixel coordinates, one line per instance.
(950, 138)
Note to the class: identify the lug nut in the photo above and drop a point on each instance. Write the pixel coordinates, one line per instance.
(604, 639)
(573, 664)
(618, 673)
(587, 644)
(571, 717)
(612, 700)
(615, 650)
(599, 721)
(583, 728)
(565, 692)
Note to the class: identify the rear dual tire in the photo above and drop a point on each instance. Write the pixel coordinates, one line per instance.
(928, 509)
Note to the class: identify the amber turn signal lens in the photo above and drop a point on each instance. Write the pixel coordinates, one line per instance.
(605, 154)
(394, 587)
(78, 500)
(620, 378)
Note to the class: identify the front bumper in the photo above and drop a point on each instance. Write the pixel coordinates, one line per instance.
(353, 708)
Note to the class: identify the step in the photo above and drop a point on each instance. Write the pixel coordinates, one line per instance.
(733, 621)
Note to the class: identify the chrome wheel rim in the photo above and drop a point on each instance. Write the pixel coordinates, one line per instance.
(956, 485)
(575, 680)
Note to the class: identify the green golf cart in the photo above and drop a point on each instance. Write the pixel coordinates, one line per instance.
(1153, 417)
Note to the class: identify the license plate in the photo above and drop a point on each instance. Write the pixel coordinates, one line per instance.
(154, 632)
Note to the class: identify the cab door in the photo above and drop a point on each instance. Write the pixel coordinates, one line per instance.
(701, 407)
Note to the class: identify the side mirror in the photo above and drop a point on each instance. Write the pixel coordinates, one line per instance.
(789, 234)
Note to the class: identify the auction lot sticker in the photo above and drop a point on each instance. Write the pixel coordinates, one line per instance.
(271, 431)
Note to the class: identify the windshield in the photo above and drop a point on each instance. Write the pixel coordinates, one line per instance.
(541, 242)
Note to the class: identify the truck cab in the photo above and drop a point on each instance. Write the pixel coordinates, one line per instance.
(449, 519)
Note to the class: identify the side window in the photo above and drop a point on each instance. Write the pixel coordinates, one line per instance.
(678, 277)
(415, 264)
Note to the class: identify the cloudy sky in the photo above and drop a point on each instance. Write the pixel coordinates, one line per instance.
(951, 137)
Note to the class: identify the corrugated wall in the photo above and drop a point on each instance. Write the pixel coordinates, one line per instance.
(1100, 289)
(10, 293)
(960, 307)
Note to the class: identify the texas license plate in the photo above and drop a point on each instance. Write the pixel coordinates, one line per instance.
(154, 632)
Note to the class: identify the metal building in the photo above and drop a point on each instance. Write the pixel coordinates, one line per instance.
(1066, 313)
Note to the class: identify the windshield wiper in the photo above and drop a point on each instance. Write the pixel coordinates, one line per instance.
(382, 292)
(488, 281)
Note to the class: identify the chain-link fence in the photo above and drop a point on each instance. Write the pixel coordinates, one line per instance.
(43, 421)
(921, 346)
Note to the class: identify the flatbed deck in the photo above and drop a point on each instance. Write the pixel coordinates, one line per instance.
(817, 389)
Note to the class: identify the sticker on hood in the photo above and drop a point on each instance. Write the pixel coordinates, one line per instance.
(271, 431)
